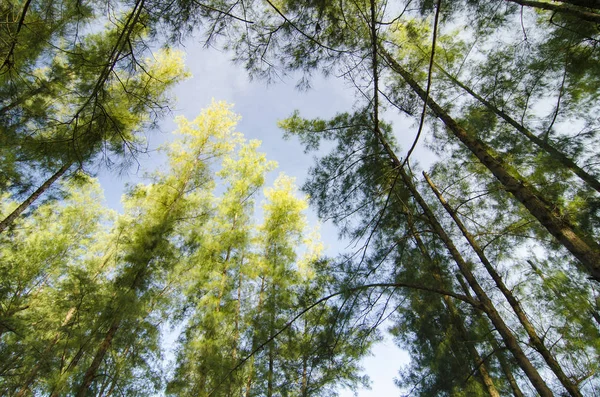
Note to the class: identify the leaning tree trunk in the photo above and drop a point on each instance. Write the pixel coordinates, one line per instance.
(33, 373)
(534, 338)
(541, 143)
(588, 252)
(498, 351)
(508, 337)
(63, 375)
(140, 273)
(90, 374)
(6, 222)
(458, 320)
(488, 306)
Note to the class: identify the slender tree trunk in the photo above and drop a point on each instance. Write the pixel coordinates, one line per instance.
(270, 373)
(56, 391)
(63, 374)
(223, 280)
(112, 380)
(249, 379)
(113, 384)
(32, 375)
(588, 252)
(90, 374)
(258, 311)
(238, 311)
(499, 351)
(304, 380)
(567, 9)
(506, 368)
(140, 269)
(541, 143)
(458, 320)
(271, 354)
(6, 222)
(107, 381)
(534, 338)
(509, 339)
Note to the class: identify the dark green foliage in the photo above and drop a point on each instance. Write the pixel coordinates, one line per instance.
(511, 113)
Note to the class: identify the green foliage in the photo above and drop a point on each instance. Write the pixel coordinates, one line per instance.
(511, 112)
(76, 95)
(80, 301)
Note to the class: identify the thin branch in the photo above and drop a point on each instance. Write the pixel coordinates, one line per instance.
(463, 298)
(311, 38)
(429, 73)
(20, 25)
(557, 108)
(228, 13)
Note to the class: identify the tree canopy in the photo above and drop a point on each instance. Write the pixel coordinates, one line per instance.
(484, 265)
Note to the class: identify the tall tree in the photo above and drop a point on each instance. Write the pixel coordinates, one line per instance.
(358, 39)
(73, 100)
(245, 285)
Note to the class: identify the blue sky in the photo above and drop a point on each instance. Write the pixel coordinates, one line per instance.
(214, 76)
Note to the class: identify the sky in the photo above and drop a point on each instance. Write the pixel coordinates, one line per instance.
(215, 77)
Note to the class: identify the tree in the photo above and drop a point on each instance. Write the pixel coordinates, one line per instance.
(339, 175)
(502, 255)
(71, 99)
(43, 255)
(245, 284)
(86, 316)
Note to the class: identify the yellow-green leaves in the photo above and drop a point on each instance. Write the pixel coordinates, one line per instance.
(283, 210)
(314, 252)
(188, 250)
(209, 135)
(131, 97)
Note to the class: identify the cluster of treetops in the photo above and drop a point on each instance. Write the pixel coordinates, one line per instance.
(485, 268)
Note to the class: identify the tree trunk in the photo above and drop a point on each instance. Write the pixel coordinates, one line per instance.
(270, 373)
(541, 143)
(506, 368)
(250, 378)
(499, 352)
(458, 321)
(567, 9)
(588, 252)
(56, 391)
(223, 279)
(509, 339)
(32, 375)
(238, 311)
(254, 343)
(90, 374)
(304, 380)
(271, 354)
(534, 338)
(6, 222)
